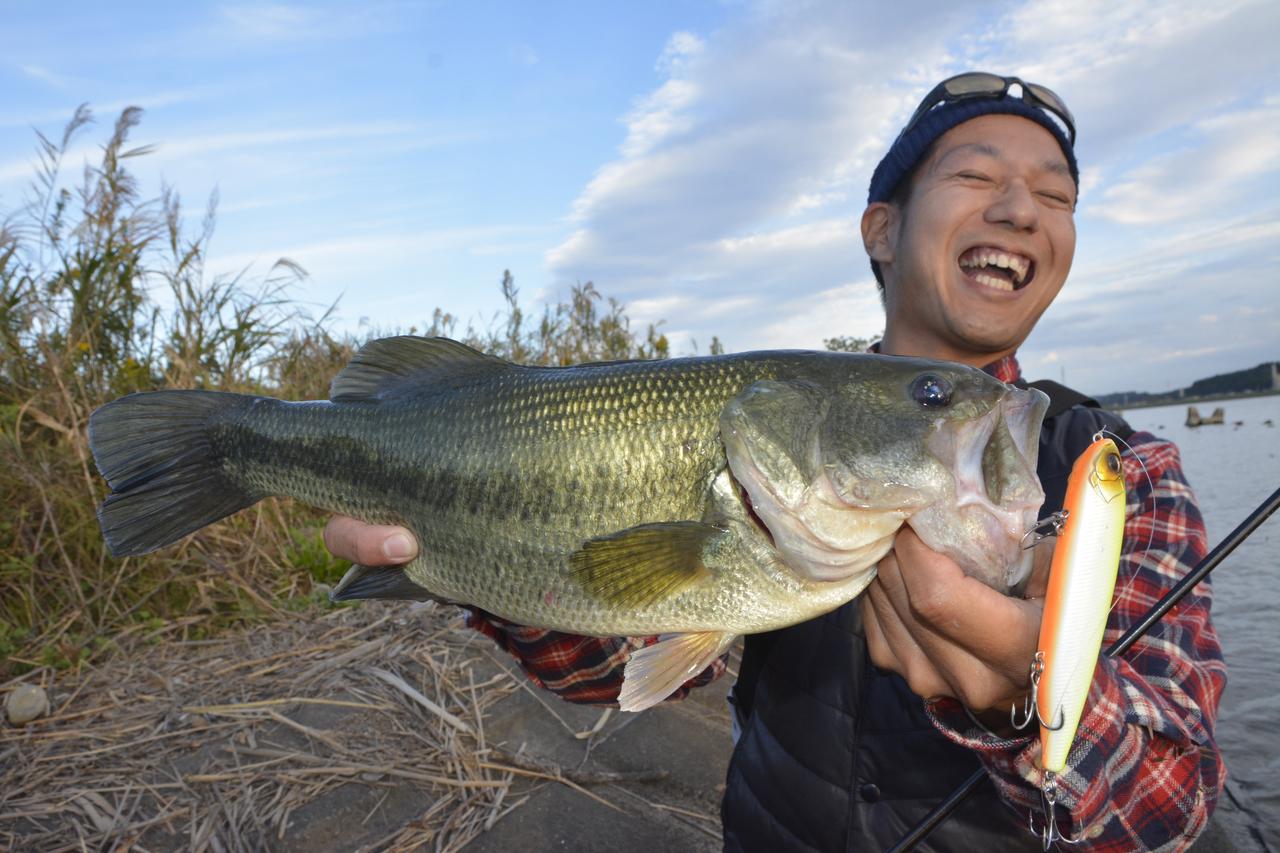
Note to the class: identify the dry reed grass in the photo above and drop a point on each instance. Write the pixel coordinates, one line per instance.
(257, 740)
(80, 266)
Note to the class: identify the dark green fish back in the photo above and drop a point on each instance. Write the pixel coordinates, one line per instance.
(506, 473)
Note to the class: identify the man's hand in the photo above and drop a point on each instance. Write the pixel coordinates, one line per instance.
(369, 544)
(948, 634)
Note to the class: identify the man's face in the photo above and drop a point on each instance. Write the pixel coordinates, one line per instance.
(983, 244)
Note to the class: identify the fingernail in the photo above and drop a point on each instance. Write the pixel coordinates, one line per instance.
(398, 546)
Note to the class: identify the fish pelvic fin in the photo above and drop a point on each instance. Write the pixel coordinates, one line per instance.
(655, 672)
(384, 367)
(380, 582)
(155, 452)
(645, 564)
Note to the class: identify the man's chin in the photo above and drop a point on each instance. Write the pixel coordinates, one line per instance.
(986, 340)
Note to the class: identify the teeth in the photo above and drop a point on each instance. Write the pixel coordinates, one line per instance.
(979, 258)
(992, 281)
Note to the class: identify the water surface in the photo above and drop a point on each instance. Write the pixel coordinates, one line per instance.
(1232, 469)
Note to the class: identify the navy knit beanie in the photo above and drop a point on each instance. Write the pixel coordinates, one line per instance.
(907, 150)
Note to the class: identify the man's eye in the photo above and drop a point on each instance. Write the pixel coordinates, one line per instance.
(974, 176)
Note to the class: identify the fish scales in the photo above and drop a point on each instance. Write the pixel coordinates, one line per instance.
(705, 497)
(501, 479)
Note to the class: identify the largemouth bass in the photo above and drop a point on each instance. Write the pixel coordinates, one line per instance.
(705, 497)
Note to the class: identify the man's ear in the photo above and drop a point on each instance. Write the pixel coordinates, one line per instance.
(879, 228)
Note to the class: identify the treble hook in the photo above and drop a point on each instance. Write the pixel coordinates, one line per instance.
(1050, 525)
(1050, 834)
(1029, 710)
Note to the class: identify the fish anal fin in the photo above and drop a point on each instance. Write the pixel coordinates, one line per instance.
(388, 365)
(362, 582)
(645, 564)
(655, 672)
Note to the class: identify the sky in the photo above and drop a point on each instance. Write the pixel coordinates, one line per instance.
(705, 164)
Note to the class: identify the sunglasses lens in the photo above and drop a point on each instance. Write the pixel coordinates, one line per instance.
(1050, 98)
(974, 84)
(979, 83)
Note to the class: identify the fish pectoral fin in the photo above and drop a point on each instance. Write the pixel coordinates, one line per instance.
(384, 366)
(645, 564)
(655, 672)
(380, 582)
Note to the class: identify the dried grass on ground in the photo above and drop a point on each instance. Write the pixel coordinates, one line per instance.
(284, 737)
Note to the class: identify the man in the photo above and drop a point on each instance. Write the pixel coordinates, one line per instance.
(855, 724)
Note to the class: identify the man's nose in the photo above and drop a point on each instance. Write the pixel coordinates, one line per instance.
(1015, 206)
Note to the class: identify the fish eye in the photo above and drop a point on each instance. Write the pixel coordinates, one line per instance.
(930, 391)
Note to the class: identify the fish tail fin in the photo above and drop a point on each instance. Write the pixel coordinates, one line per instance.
(156, 452)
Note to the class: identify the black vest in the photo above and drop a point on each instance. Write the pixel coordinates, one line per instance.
(836, 755)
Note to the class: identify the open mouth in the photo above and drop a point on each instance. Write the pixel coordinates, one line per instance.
(996, 268)
(997, 493)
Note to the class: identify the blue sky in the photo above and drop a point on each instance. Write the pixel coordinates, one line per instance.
(705, 163)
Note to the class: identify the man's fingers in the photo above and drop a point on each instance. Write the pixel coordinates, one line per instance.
(965, 611)
(894, 648)
(979, 641)
(370, 544)
(1039, 583)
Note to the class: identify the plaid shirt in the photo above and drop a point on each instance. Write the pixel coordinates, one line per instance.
(1145, 771)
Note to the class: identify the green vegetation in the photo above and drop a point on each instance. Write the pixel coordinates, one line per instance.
(80, 324)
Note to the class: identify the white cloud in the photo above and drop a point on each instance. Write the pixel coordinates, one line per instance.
(1134, 71)
(1230, 154)
(44, 75)
(108, 110)
(274, 23)
(742, 172)
(1153, 317)
(805, 322)
(680, 50)
(208, 143)
(343, 254)
(273, 20)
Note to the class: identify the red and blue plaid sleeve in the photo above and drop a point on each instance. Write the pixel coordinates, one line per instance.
(584, 670)
(1145, 771)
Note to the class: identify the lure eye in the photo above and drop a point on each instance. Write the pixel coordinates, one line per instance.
(932, 392)
(1109, 467)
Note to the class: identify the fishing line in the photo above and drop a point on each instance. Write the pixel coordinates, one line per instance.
(1212, 560)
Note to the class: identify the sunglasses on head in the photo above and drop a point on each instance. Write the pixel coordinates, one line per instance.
(979, 84)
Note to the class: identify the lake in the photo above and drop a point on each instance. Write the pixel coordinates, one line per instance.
(1232, 469)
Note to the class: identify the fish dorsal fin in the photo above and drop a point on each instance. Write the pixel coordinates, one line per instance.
(384, 366)
(646, 564)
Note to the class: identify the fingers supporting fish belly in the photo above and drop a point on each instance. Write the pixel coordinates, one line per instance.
(973, 642)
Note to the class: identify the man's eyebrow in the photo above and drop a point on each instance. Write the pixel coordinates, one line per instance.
(984, 148)
(1057, 167)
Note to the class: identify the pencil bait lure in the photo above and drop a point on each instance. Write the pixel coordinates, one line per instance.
(1082, 581)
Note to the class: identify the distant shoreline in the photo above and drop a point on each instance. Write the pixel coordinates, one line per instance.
(1192, 401)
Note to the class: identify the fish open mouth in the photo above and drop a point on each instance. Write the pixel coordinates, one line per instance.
(996, 268)
(997, 492)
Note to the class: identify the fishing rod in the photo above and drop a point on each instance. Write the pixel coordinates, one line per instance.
(940, 813)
